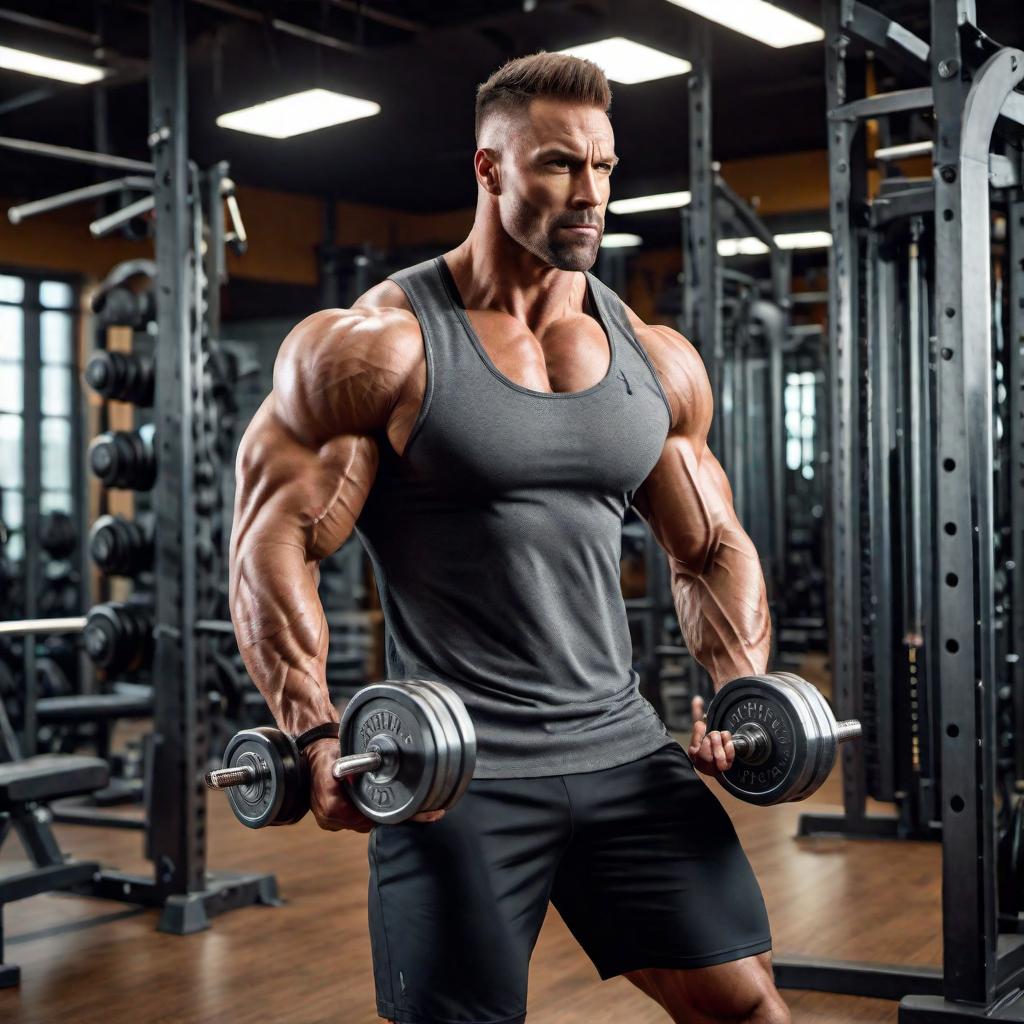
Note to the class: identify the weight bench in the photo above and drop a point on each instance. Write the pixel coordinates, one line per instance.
(25, 783)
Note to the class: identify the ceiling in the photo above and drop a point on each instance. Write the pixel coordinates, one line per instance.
(421, 60)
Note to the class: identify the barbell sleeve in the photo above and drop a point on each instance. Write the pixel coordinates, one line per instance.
(225, 778)
(753, 743)
(244, 775)
(849, 730)
(356, 764)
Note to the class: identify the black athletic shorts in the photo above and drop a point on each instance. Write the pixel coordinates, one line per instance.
(641, 861)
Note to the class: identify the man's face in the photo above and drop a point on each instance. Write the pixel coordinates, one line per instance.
(555, 180)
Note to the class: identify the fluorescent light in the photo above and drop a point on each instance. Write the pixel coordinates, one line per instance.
(755, 247)
(804, 240)
(49, 67)
(640, 204)
(299, 113)
(620, 240)
(755, 18)
(741, 247)
(627, 62)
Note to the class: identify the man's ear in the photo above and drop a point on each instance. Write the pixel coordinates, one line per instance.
(488, 170)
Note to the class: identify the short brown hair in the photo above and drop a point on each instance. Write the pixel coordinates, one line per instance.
(549, 75)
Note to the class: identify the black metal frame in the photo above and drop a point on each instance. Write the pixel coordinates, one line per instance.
(176, 804)
(983, 969)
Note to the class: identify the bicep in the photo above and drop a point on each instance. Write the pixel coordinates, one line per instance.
(687, 502)
(290, 493)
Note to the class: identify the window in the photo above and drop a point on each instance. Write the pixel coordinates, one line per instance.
(38, 401)
(799, 400)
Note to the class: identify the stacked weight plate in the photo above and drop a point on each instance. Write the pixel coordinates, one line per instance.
(801, 728)
(423, 733)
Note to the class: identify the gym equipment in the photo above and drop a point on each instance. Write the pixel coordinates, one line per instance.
(116, 636)
(57, 535)
(121, 306)
(123, 376)
(122, 547)
(119, 637)
(124, 459)
(412, 748)
(784, 733)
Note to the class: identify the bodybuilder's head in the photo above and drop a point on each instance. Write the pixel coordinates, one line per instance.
(545, 153)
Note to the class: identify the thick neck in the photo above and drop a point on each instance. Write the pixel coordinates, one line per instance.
(494, 272)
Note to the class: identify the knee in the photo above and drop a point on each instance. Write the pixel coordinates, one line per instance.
(770, 1010)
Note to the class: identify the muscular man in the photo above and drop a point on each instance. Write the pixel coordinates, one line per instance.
(483, 421)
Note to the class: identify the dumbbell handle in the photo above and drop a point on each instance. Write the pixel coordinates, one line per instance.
(355, 764)
(753, 743)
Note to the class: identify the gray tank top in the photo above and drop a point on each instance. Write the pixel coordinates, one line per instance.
(495, 541)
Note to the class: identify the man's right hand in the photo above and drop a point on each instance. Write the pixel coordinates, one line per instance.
(328, 800)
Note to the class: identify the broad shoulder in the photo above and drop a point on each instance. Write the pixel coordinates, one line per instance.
(681, 371)
(343, 370)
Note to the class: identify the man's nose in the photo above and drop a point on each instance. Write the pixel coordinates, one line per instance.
(587, 190)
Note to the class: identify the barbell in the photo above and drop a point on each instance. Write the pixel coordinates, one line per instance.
(410, 747)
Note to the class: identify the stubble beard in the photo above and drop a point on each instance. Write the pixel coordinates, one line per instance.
(578, 255)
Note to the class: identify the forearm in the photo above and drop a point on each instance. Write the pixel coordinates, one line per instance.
(723, 610)
(282, 633)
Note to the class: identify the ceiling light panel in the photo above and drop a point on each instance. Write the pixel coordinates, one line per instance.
(298, 114)
(629, 63)
(49, 67)
(641, 204)
(755, 18)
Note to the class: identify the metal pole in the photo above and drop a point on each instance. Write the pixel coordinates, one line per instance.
(843, 506)
(178, 818)
(1015, 465)
(43, 627)
(32, 482)
(82, 156)
(965, 502)
(16, 214)
(700, 267)
(104, 225)
(881, 300)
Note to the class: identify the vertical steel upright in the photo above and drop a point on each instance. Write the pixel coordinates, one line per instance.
(843, 505)
(178, 814)
(963, 526)
(701, 293)
(1015, 467)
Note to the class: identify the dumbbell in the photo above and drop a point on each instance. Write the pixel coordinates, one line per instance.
(410, 747)
(784, 733)
(124, 458)
(119, 637)
(57, 535)
(124, 376)
(122, 547)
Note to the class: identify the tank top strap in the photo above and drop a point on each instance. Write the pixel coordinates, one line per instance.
(614, 314)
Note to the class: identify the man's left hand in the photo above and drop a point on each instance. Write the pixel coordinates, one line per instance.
(711, 752)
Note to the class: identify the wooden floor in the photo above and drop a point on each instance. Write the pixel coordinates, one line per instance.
(88, 960)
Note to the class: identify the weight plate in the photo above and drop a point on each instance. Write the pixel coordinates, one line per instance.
(786, 718)
(397, 720)
(824, 743)
(450, 762)
(814, 740)
(467, 735)
(280, 793)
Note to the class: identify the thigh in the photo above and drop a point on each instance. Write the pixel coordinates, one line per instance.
(455, 906)
(655, 876)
